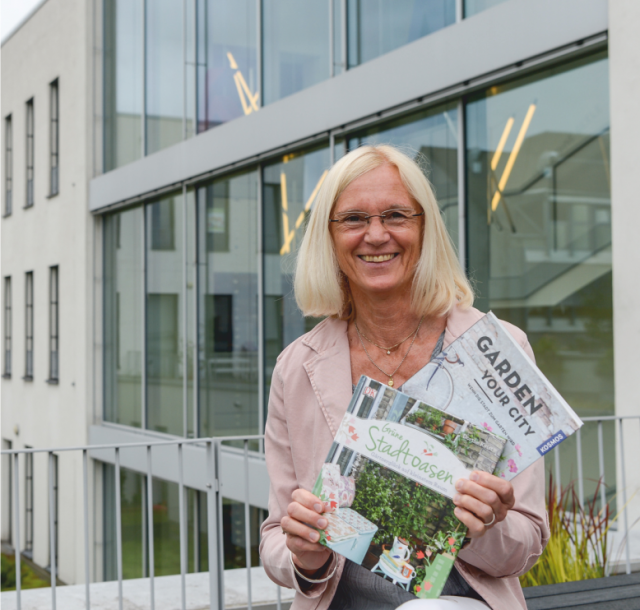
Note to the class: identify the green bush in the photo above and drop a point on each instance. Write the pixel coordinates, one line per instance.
(28, 580)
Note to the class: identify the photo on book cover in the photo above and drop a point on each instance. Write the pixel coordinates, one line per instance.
(388, 484)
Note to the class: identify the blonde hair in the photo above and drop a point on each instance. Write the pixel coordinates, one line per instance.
(321, 289)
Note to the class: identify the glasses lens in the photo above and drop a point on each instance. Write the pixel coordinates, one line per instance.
(397, 219)
(354, 221)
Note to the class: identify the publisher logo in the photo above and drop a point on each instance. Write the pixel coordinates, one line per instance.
(550, 443)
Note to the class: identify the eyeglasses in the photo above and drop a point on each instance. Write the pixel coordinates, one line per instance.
(393, 220)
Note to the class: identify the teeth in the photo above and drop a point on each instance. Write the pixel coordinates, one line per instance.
(377, 259)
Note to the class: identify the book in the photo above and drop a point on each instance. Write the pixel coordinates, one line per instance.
(388, 483)
(486, 377)
(388, 480)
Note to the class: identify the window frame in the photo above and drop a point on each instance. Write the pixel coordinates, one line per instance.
(28, 503)
(28, 326)
(54, 324)
(8, 165)
(54, 138)
(30, 154)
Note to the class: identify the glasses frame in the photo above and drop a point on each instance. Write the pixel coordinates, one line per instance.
(368, 218)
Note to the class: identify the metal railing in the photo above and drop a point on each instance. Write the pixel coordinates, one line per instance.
(213, 508)
(214, 503)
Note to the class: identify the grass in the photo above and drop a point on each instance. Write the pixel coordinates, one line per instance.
(578, 548)
(28, 580)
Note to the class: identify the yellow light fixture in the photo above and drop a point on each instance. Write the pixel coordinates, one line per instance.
(248, 100)
(311, 199)
(501, 143)
(512, 157)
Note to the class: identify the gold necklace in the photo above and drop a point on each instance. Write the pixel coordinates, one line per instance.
(386, 349)
(390, 376)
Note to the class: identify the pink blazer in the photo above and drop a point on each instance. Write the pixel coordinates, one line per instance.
(310, 392)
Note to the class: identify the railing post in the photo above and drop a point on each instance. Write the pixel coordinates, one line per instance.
(182, 528)
(118, 527)
(85, 498)
(52, 535)
(150, 530)
(603, 494)
(624, 498)
(216, 583)
(580, 473)
(247, 524)
(16, 530)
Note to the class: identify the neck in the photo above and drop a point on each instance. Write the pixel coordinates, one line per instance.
(385, 319)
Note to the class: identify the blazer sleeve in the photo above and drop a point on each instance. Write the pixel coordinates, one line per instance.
(511, 547)
(283, 482)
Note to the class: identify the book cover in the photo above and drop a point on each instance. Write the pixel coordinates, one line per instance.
(388, 482)
(486, 377)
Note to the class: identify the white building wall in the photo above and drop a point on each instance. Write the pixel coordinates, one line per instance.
(53, 43)
(624, 53)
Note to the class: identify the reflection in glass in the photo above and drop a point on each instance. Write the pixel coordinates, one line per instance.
(122, 82)
(228, 306)
(227, 74)
(431, 137)
(164, 23)
(540, 223)
(379, 26)
(123, 310)
(472, 7)
(164, 310)
(295, 46)
(289, 190)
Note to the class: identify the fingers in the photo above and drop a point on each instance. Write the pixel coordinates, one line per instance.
(502, 488)
(475, 527)
(300, 523)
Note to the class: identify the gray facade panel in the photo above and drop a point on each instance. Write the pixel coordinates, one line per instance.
(497, 38)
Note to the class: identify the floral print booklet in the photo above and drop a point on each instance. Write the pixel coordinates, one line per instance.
(388, 481)
(388, 484)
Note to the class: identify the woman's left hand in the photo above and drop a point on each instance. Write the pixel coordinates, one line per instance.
(480, 498)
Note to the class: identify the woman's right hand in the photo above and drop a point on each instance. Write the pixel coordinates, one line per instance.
(304, 511)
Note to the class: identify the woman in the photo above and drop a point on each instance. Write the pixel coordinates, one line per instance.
(377, 260)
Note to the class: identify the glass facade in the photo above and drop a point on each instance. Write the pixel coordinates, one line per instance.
(431, 137)
(296, 46)
(227, 65)
(290, 186)
(378, 26)
(228, 259)
(123, 82)
(472, 7)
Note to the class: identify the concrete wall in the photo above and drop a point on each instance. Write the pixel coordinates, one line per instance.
(624, 52)
(53, 43)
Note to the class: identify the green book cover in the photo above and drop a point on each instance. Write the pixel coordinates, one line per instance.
(388, 482)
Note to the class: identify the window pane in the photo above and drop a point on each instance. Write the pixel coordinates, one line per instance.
(295, 46)
(123, 76)
(379, 26)
(164, 73)
(472, 7)
(431, 137)
(540, 231)
(289, 190)
(164, 309)
(227, 73)
(228, 306)
(123, 315)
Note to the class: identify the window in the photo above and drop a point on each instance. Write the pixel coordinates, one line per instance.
(28, 502)
(30, 154)
(8, 165)
(54, 137)
(54, 347)
(7, 327)
(28, 324)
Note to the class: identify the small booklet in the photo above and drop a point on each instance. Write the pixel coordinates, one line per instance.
(388, 481)
(388, 484)
(487, 378)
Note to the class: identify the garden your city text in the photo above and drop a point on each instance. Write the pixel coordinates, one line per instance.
(402, 453)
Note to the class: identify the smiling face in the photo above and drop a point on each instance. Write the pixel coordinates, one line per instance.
(377, 261)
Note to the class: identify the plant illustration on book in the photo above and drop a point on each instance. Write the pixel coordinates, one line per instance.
(391, 525)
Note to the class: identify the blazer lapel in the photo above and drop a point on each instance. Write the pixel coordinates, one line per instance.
(330, 376)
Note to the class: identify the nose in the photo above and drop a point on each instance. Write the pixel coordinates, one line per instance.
(376, 232)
